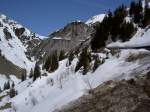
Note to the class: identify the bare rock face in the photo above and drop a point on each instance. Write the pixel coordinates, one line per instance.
(66, 39)
(122, 96)
(7, 68)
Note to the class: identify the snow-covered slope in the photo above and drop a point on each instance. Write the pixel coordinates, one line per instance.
(12, 46)
(141, 38)
(15, 48)
(51, 92)
(59, 88)
(97, 18)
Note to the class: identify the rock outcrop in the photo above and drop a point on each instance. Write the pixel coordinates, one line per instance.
(65, 39)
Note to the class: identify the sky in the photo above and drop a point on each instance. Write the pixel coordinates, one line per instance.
(46, 16)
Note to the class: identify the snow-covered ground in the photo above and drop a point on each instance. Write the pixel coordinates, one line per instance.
(141, 38)
(59, 88)
(64, 85)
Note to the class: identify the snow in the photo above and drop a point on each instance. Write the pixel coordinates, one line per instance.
(141, 38)
(3, 79)
(97, 18)
(13, 49)
(50, 97)
(68, 86)
(57, 38)
(51, 92)
(11, 78)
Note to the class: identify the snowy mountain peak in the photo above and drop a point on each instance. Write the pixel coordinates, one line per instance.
(97, 18)
(16, 43)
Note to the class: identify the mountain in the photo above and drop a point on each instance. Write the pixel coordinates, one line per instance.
(97, 18)
(65, 39)
(16, 43)
(69, 38)
(111, 77)
(54, 90)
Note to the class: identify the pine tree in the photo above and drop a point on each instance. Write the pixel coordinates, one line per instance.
(61, 55)
(31, 73)
(70, 57)
(23, 76)
(119, 15)
(132, 8)
(12, 92)
(84, 61)
(51, 63)
(146, 19)
(136, 10)
(37, 72)
(0, 90)
(99, 38)
(96, 63)
(6, 85)
(13, 85)
(126, 31)
(47, 63)
(55, 63)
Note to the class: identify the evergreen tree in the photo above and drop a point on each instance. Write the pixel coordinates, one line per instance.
(47, 63)
(55, 62)
(13, 85)
(119, 15)
(12, 93)
(99, 38)
(70, 57)
(31, 73)
(136, 10)
(132, 8)
(146, 20)
(23, 77)
(126, 31)
(37, 72)
(51, 63)
(0, 90)
(6, 85)
(61, 55)
(96, 63)
(84, 61)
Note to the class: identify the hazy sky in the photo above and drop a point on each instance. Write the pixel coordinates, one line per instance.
(45, 16)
